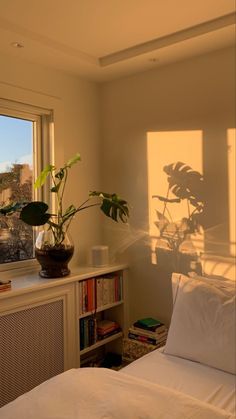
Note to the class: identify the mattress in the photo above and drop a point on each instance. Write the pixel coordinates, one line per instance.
(199, 381)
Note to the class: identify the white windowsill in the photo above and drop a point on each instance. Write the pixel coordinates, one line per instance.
(27, 280)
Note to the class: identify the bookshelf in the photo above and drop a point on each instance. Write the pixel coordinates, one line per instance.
(101, 297)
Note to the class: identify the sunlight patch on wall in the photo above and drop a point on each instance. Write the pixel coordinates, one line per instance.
(164, 148)
(231, 139)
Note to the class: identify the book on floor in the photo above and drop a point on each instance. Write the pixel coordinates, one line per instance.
(150, 324)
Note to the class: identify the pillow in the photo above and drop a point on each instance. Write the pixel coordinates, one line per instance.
(225, 282)
(175, 279)
(203, 323)
(218, 280)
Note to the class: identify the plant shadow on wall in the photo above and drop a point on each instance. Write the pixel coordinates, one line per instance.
(175, 248)
(54, 248)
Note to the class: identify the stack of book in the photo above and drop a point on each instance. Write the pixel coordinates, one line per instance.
(5, 285)
(88, 332)
(107, 328)
(92, 330)
(98, 292)
(150, 331)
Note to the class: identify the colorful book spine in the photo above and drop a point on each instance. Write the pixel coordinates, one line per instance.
(99, 292)
(88, 332)
(5, 285)
(90, 291)
(142, 332)
(146, 339)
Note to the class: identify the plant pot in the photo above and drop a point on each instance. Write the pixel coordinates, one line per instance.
(53, 256)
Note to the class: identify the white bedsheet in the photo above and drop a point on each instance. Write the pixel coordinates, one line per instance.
(202, 382)
(97, 393)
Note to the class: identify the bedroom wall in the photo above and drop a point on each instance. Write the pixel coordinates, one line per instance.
(196, 94)
(76, 117)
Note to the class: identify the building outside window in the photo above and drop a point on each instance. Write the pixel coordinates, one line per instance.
(24, 143)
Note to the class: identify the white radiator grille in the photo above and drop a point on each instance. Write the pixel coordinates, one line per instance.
(31, 348)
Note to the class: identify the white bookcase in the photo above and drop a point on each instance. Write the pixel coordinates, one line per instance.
(40, 327)
(114, 308)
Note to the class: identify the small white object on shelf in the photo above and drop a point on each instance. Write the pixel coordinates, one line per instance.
(100, 256)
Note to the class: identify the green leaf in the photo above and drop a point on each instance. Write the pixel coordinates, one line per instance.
(56, 187)
(11, 208)
(60, 175)
(70, 211)
(113, 206)
(100, 194)
(35, 214)
(73, 160)
(52, 224)
(41, 179)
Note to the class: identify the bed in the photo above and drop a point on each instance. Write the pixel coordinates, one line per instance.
(192, 377)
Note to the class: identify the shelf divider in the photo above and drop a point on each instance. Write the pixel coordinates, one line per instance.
(101, 343)
(103, 308)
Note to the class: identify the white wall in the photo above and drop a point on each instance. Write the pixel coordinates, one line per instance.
(77, 128)
(196, 94)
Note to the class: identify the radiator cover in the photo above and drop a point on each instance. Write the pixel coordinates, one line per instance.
(31, 348)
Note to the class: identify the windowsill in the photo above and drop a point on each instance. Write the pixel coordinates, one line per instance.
(28, 280)
(11, 270)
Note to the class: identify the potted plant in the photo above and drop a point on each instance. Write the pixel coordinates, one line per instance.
(53, 248)
(184, 184)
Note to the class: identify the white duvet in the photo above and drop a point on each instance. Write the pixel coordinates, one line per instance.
(96, 393)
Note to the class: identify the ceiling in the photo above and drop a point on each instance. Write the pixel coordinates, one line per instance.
(107, 39)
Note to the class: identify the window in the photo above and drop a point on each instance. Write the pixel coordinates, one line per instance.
(24, 141)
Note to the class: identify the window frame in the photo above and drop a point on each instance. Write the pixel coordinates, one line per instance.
(42, 120)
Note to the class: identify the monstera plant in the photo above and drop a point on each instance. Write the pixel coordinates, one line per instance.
(53, 247)
(184, 184)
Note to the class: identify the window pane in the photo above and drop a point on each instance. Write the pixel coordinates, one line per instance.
(16, 171)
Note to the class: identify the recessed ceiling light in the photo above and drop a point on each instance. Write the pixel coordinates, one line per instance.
(17, 45)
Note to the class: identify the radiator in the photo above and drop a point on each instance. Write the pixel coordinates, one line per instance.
(31, 348)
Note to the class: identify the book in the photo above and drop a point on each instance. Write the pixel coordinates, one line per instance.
(149, 323)
(99, 292)
(90, 293)
(106, 324)
(107, 327)
(102, 332)
(82, 334)
(113, 332)
(5, 285)
(155, 331)
(146, 339)
(147, 333)
(85, 296)
(106, 291)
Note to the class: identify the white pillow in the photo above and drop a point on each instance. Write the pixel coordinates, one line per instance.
(217, 280)
(203, 324)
